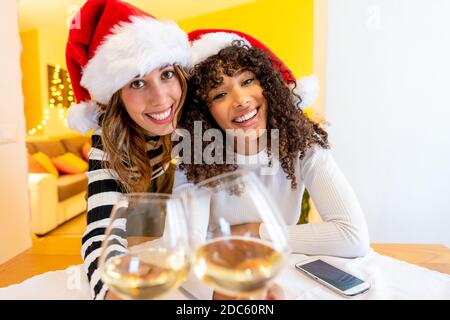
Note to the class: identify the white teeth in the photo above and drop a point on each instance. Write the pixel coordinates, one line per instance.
(246, 116)
(160, 116)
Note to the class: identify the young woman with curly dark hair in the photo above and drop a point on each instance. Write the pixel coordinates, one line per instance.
(238, 83)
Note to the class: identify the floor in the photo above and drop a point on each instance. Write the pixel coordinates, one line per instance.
(57, 250)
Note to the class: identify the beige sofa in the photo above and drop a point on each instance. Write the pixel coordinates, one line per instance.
(54, 200)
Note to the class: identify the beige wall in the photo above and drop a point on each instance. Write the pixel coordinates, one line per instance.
(14, 211)
(320, 54)
(31, 77)
(319, 69)
(388, 106)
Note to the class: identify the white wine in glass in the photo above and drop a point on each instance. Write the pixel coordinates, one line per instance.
(230, 255)
(146, 253)
(238, 265)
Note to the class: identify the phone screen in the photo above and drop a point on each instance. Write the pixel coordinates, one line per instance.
(332, 275)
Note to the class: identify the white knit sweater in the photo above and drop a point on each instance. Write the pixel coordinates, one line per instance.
(343, 231)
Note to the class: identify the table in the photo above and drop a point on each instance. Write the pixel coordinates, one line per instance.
(431, 256)
(54, 253)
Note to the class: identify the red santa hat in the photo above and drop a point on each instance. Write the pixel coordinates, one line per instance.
(110, 43)
(208, 42)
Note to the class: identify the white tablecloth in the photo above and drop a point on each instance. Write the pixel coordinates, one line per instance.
(389, 278)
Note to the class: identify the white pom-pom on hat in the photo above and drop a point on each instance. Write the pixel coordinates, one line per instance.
(83, 116)
(308, 90)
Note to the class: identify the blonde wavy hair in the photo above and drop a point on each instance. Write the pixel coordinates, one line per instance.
(125, 142)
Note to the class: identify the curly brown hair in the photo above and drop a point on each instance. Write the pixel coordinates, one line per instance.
(297, 133)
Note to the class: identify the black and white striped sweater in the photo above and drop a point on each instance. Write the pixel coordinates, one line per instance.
(104, 189)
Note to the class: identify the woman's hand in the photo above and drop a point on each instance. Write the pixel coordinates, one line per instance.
(275, 292)
(112, 296)
(219, 296)
(250, 229)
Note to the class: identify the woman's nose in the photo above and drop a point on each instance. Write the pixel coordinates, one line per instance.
(156, 95)
(240, 99)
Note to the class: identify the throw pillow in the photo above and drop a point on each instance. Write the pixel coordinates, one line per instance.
(45, 162)
(34, 166)
(69, 163)
(85, 148)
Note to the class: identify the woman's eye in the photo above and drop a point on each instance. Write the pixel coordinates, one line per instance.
(218, 96)
(248, 81)
(168, 74)
(137, 84)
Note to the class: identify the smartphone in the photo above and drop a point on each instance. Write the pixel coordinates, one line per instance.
(333, 278)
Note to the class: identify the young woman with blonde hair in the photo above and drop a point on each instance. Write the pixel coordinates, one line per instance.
(127, 73)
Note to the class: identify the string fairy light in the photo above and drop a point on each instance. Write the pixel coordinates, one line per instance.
(57, 100)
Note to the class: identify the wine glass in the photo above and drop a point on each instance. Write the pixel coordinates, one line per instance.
(225, 213)
(145, 254)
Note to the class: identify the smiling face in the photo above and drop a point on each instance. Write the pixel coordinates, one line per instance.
(152, 100)
(238, 103)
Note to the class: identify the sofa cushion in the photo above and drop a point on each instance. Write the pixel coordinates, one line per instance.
(31, 148)
(70, 185)
(75, 144)
(85, 150)
(52, 148)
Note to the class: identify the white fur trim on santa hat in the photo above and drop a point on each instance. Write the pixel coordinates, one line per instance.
(133, 49)
(308, 89)
(211, 43)
(83, 117)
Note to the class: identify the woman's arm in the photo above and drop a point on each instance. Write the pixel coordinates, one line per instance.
(343, 231)
(103, 192)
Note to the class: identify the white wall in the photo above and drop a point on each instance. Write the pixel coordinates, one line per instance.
(14, 211)
(388, 104)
